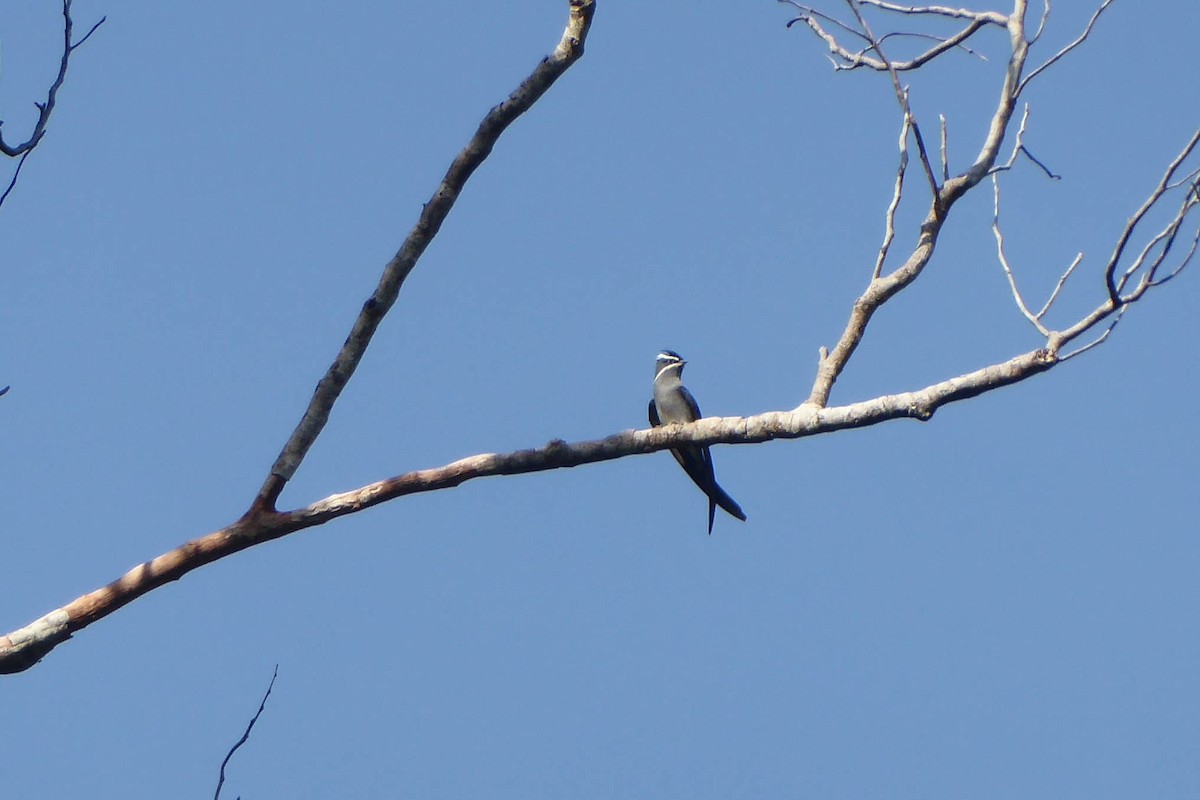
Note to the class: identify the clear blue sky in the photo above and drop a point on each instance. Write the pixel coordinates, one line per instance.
(1000, 603)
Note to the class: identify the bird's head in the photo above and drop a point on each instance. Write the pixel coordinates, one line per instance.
(666, 361)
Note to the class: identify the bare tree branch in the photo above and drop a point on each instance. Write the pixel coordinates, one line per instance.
(12, 183)
(884, 287)
(1087, 31)
(23, 648)
(23, 149)
(1041, 23)
(945, 157)
(47, 108)
(901, 96)
(1099, 340)
(854, 59)
(990, 17)
(1019, 148)
(246, 735)
(889, 217)
(1062, 281)
(1034, 319)
(568, 51)
(1164, 186)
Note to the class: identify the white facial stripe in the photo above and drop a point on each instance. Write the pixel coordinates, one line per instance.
(672, 365)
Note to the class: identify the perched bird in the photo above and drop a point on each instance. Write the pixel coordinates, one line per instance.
(672, 402)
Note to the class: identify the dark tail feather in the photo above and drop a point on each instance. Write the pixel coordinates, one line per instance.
(721, 497)
(712, 512)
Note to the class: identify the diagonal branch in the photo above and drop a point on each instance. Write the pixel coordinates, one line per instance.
(855, 59)
(12, 183)
(568, 51)
(1115, 304)
(246, 735)
(1164, 186)
(889, 216)
(47, 108)
(901, 95)
(23, 648)
(882, 288)
(1080, 39)
(1034, 319)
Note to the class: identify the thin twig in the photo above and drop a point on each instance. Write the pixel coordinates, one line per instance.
(1187, 258)
(1080, 39)
(16, 174)
(1135, 220)
(1041, 23)
(945, 158)
(1051, 175)
(889, 218)
(931, 37)
(1166, 238)
(1034, 320)
(46, 108)
(1019, 148)
(1099, 340)
(1017, 143)
(246, 735)
(1062, 280)
(1186, 179)
(854, 59)
(1115, 303)
(808, 11)
(901, 97)
(992, 17)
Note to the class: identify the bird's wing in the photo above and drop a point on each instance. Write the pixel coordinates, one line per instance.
(697, 463)
(689, 464)
(699, 466)
(702, 456)
(691, 402)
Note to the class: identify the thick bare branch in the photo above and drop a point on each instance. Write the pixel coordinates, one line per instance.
(568, 51)
(882, 288)
(23, 648)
